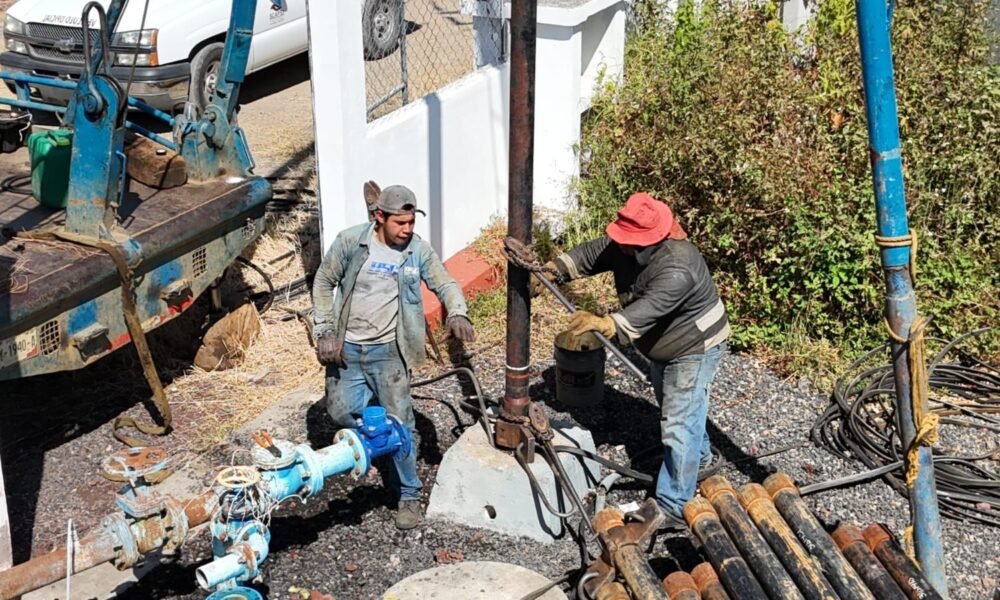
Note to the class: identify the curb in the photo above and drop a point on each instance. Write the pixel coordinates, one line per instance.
(471, 273)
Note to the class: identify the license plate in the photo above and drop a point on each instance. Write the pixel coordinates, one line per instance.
(18, 348)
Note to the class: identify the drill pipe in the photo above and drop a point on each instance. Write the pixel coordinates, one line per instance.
(523, 25)
(734, 572)
(910, 579)
(680, 586)
(815, 539)
(612, 591)
(627, 557)
(780, 536)
(752, 545)
(98, 546)
(708, 582)
(852, 543)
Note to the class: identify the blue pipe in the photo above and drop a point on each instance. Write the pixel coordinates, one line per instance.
(901, 306)
(32, 105)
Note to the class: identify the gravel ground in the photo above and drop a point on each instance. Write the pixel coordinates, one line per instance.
(343, 544)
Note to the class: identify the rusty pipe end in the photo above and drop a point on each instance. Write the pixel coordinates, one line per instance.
(611, 591)
(779, 482)
(678, 582)
(753, 493)
(698, 508)
(704, 575)
(714, 486)
(608, 519)
(847, 533)
(876, 534)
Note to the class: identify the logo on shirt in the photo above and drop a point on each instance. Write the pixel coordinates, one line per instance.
(383, 270)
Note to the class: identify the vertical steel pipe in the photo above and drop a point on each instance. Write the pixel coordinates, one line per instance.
(815, 539)
(523, 24)
(874, 20)
(708, 582)
(734, 572)
(764, 564)
(681, 586)
(898, 564)
(803, 569)
(850, 541)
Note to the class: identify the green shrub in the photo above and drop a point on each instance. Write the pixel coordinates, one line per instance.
(757, 139)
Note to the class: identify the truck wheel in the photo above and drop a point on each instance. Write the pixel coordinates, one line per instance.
(381, 22)
(205, 74)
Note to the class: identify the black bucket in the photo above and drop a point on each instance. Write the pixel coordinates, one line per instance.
(15, 127)
(579, 372)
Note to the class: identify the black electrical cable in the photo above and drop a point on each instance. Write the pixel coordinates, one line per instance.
(860, 424)
(483, 412)
(16, 184)
(267, 282)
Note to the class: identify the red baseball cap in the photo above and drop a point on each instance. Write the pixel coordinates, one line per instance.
(643, 221)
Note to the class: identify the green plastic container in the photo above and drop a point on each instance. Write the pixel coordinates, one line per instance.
(50, 153)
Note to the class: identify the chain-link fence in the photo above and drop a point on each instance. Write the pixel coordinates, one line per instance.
(415, 47)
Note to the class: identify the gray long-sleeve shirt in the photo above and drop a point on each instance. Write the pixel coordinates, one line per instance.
(670, 307)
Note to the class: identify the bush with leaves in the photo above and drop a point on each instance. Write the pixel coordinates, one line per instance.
(757, 138)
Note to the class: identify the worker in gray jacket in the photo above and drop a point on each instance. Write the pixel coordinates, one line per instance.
(369, 324)
(672, 313)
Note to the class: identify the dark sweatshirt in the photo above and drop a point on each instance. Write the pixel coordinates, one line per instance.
(670, 307)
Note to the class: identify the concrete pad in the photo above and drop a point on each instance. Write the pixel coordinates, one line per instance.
(480, 486)
(471, 581)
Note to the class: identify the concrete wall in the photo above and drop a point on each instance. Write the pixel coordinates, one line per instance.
(450, 147)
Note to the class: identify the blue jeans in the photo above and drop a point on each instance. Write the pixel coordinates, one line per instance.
(682, 387)
(376, 372)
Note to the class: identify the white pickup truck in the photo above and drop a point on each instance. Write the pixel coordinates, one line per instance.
(173, 54)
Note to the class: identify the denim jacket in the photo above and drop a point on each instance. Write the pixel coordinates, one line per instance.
(334, 286)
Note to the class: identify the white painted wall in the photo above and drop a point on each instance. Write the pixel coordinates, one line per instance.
(451, 147)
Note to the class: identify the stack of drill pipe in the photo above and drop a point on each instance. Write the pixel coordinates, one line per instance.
(898, 564)
(752, 545)
(681, 586)
(629, 559)
(839, 572)
(708, 582)
(734, 572)
(852, 543)
(782, 540)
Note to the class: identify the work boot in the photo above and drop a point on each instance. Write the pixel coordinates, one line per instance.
(409, 514)
(709, 467)
(672, 523)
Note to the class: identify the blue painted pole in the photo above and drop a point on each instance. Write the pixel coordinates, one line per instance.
(874, 17)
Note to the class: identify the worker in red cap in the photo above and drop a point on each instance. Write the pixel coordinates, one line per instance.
(671, 312)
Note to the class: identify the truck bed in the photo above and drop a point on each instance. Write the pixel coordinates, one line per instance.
(188, 233)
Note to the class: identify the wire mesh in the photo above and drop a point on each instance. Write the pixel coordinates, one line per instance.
(415, 47)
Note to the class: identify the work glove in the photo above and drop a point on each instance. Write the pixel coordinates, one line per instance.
(577, 343)
(536, 285)
(582, 321)
(460, 328)
(329, 351)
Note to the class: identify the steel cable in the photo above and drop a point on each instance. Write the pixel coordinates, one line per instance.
(860, 424)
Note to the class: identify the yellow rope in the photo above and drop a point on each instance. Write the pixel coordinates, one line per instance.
(899, 241)
(926, 423)
(908, 546)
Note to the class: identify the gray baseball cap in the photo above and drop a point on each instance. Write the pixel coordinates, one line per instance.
(398, 200)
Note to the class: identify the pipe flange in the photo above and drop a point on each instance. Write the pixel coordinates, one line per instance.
(175, 527)
(362, 460)
(312, 471)
(127, 548)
